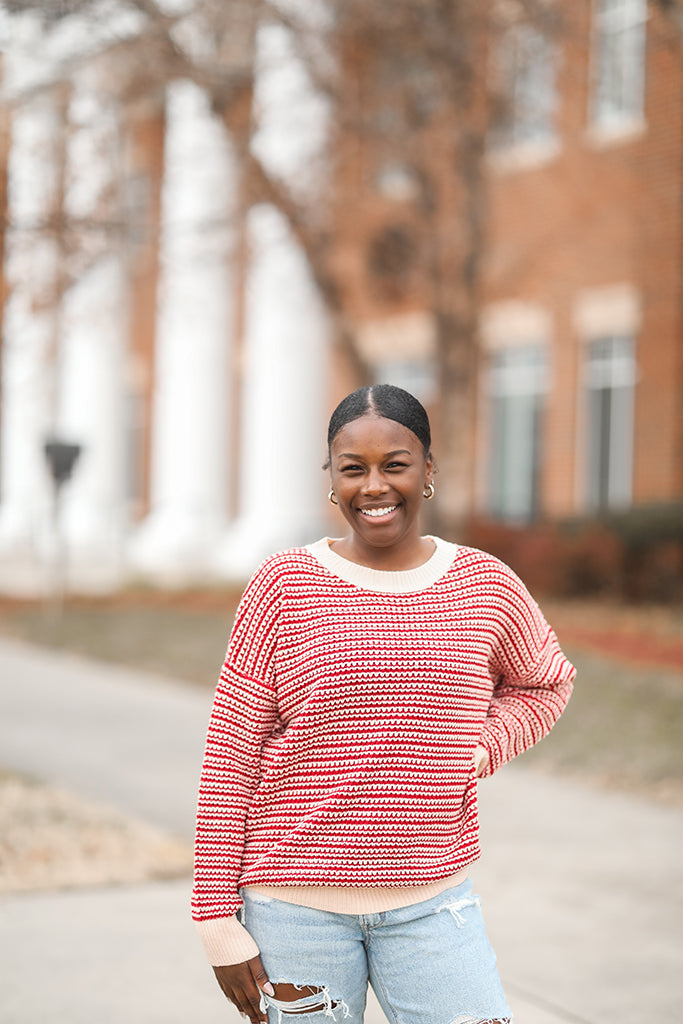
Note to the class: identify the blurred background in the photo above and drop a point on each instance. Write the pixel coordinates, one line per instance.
(220, 216)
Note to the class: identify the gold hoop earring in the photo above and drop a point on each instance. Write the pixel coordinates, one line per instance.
(428, 494)
(331, 498)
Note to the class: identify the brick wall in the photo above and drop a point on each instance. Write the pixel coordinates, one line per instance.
(594, 213)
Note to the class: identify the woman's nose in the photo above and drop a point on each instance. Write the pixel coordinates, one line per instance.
(374, 483)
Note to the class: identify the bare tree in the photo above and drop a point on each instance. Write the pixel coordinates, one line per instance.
(408, 90)
(673, 10)
(417, 98)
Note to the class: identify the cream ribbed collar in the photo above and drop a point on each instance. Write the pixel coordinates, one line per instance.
(382, 580)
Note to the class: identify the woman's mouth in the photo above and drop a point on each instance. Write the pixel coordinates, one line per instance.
(378, 513)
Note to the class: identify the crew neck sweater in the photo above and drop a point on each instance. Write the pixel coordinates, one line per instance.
(339, 766)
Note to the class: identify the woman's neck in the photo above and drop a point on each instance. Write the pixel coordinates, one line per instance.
(391, 559)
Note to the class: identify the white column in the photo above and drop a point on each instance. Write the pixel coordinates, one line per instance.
(194, 322)
(283, 423)
(283, 434)
(95, 328)
(31, 268)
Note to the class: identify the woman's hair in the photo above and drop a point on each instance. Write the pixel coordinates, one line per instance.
(387, 401)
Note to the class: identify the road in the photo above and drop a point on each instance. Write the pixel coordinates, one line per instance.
(582, 888)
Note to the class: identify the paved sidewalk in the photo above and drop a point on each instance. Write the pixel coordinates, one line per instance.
(583, 890)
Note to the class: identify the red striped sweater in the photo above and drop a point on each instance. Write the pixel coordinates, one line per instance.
(341, 742)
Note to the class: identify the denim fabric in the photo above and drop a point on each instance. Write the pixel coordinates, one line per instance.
(429, 963)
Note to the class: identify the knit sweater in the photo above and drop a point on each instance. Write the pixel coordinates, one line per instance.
(341, 742)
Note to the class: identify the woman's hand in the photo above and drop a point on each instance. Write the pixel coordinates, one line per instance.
(242, 984)
(481, 760)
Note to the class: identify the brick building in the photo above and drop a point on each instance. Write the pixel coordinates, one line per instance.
(579, 390)
(171, 344)
(589, 199)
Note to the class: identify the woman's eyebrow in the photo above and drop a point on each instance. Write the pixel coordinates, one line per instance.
(387, 455)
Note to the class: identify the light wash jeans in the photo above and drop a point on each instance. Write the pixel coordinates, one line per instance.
(430, 963)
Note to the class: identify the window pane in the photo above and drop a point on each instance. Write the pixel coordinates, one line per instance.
(610, 374)
(415, 375)
(526, 72)
(517, 384)
(621, 447)
(599, 447)
(619, 55)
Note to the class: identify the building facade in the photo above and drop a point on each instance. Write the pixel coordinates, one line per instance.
(176, 334)
(150, 318)
(582, 326)
(578, 407)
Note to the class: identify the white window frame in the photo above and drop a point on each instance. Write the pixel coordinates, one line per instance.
(526, 73)
(617, 94)
(402, 351)
(610, 311)
(519, 371)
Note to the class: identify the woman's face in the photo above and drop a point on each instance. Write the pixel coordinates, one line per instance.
(379, 474)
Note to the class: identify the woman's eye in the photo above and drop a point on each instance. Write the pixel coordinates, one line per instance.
(396, 465)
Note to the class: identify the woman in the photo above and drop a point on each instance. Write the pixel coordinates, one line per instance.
(368, 682)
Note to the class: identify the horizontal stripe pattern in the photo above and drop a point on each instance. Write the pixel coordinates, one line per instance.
(340, 746)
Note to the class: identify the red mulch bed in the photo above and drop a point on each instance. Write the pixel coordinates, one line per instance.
(648, 634)
(651, 650)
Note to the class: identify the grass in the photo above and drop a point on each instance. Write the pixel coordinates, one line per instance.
(623, 726)
(183, 642)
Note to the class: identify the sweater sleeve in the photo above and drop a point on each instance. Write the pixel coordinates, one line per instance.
(243, 715)
(533, 678)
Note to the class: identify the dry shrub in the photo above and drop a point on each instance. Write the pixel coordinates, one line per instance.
(537, 554)
(594, 561)
(635, 555)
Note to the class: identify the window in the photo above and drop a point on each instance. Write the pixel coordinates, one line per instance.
(517, 385)
(415, 375)
(619, 62)
(528, 96)
(610, 375)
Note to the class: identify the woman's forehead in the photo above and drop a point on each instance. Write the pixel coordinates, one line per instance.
(375, 432)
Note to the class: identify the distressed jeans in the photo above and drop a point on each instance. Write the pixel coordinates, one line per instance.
(429, 963)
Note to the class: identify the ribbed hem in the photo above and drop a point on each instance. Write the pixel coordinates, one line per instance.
(340, 899)
(226, 941)
(381, 580)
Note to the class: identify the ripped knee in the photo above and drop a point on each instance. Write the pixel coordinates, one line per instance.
(290, 1000)
(287, 993)
(466, 1018)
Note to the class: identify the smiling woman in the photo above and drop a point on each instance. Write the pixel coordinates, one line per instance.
(380, 475)
(381, 469)
(370, 680)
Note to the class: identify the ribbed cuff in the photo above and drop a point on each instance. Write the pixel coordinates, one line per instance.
(226, 941)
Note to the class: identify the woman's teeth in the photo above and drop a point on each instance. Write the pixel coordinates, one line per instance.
(377, 512)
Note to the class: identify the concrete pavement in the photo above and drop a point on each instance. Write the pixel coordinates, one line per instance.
(582, 889)
(130, 738)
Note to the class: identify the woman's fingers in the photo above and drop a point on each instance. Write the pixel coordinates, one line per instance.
(238, 985)
(258, 973)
